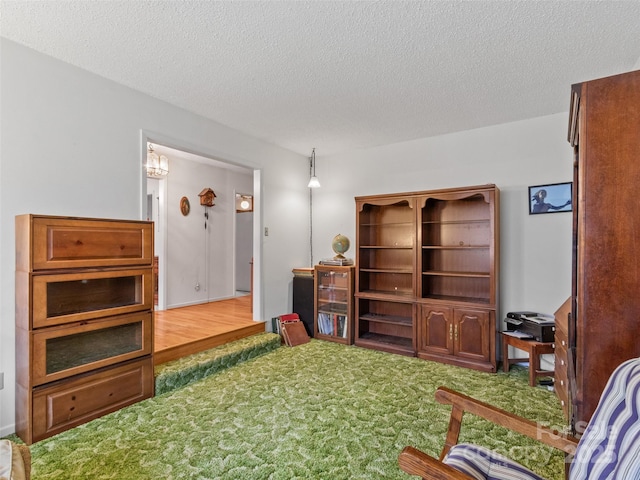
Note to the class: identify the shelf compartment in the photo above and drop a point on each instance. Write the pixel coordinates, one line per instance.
(399, 282)
(395, 296)
(333, 279)
(457, 234)
(388, 223)
(392, 234)
(393, 319)
(457, 274)
(483, 301)
(331, 294)
(333, 324)
(456, 259)
(378, 339)
(386, 258)
(385, 325)
(333, 307)
(72, 297)
(73, 349)
(474, 288)
(473, 209)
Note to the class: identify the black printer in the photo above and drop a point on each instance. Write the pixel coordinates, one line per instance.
(540, 327)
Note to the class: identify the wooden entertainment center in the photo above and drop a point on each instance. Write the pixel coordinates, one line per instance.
(84, 320)
(427, 274)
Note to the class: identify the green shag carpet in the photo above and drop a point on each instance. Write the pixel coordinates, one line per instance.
(316, 411)
(181, 372)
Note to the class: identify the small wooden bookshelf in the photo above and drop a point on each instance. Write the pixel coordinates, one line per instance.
(333, 319)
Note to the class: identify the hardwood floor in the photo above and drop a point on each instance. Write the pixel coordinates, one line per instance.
(179, 332)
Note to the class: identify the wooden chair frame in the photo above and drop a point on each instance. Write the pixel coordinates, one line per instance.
(415, 462)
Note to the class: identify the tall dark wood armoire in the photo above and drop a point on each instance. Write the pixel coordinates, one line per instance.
(604, 323)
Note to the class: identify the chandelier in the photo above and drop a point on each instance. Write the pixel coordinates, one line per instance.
(157, 165)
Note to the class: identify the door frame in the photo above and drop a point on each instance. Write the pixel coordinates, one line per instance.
(168, 141)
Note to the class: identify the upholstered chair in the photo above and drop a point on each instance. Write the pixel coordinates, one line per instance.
(609, 448)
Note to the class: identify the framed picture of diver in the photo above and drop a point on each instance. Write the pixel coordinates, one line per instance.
(552, 198)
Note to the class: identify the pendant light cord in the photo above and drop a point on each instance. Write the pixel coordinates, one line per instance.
(311, 213)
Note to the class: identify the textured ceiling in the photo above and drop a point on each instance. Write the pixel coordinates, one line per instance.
(340, 75)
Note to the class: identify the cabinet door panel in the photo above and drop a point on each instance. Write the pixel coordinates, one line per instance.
(436, 335)
(334, 303)
(471, 334)
(70, 350)
(81, 296)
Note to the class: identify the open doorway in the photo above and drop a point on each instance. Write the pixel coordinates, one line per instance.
(244, 243)
(204, 252)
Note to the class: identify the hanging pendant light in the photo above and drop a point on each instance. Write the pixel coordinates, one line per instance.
(313, 181)
(157, 165)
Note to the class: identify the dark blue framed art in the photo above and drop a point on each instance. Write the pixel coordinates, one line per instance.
(550, 198)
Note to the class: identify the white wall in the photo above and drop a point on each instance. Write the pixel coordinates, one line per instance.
(535, 250)
(71, 145)
(200, 266)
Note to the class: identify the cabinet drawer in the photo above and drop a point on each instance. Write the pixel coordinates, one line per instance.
(61, 243)
(561, 376)
(73, 297)
(61, 352)
(78, 400)
(563, 396)
(560, 369)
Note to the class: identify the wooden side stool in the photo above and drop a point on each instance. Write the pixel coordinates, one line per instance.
(533, 348)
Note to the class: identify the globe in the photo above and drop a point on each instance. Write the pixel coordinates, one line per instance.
(340, 245)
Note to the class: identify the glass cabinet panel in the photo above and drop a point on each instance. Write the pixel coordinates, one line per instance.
(334, 303)
(73, 297)
(69, 350)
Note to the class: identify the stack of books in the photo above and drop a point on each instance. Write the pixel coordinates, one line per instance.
(292, 330)
(337, 261)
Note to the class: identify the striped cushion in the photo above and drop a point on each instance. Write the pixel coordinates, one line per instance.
(484, 464)
(610, 446)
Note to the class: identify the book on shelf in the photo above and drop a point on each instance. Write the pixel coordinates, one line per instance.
(342, 326)
(332, 324)
(325, 325)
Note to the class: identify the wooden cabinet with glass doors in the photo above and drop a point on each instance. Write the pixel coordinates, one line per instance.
(334, 303)
(84, 320)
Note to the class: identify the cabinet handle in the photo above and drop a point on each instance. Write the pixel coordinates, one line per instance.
(561, 362)
(450, 331)
(455, 332)
(563, 343)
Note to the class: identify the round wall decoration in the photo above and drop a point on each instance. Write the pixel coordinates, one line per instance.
(185, 206)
